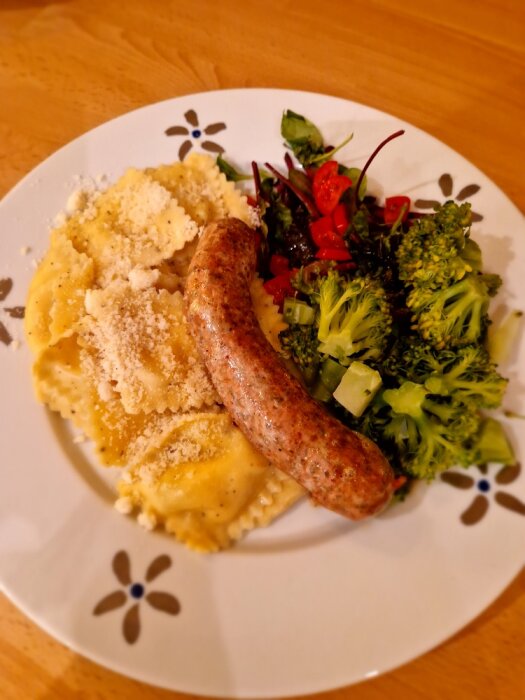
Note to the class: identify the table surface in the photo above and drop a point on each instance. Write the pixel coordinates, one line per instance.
(453, 68)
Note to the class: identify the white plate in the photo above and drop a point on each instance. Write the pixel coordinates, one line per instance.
(312, 602)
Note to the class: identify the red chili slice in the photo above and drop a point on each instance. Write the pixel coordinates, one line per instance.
(279, 264)
(328, 186)
(340, 219)
(280, 287)
(333, 254)
(399, 481)
(323, 234)
(393, 208)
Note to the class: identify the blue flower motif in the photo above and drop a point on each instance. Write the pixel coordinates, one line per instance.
(196, 133)
(480, 505)
(159, 600)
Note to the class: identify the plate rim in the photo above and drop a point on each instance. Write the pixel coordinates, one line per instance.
(40, 621)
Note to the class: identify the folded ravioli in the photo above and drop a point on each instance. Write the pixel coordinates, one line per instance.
(61, 384)
(55, 302)
(66, 380)
(136, 222)
(212, 489)
(144, 350)
(267, 313)
(202, 190)
(113, 354)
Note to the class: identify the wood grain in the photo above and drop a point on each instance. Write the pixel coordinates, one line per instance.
(455, 69)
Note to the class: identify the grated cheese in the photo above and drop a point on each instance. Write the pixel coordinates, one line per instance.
(147, 521)
(143, 349)
(140, 202)
(141, 278)
(123, 505)
(121, 363)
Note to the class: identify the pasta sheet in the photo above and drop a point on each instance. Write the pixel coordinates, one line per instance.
(112, 354)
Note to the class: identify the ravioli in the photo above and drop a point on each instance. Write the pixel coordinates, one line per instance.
(220, 488)
(112, 354)
(55, 302)
(203, 191)
(142, 348)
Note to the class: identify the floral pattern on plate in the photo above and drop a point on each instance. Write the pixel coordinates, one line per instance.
(6, 285)
(480, 504)
(194, 131)
(134, 591)
(446, 185)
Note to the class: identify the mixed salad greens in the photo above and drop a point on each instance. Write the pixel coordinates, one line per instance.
(387, 308)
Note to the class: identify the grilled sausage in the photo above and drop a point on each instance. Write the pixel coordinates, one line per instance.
(342, 470)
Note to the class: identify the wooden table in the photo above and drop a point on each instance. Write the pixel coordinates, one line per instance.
(455, 69)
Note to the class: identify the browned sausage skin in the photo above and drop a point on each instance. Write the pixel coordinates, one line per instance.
(342, 470)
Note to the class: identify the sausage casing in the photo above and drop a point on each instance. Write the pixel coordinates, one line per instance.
(340, 468)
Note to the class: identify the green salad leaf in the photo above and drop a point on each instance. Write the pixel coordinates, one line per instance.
(302, 136)
(231, 173)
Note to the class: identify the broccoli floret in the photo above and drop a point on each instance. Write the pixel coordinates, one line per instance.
(466, 373)
(440, 266)
(493, 445)
(455, 315)
(300, 343)
(354, 318)
(472, 255)
(436, 251)
(430, 436)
